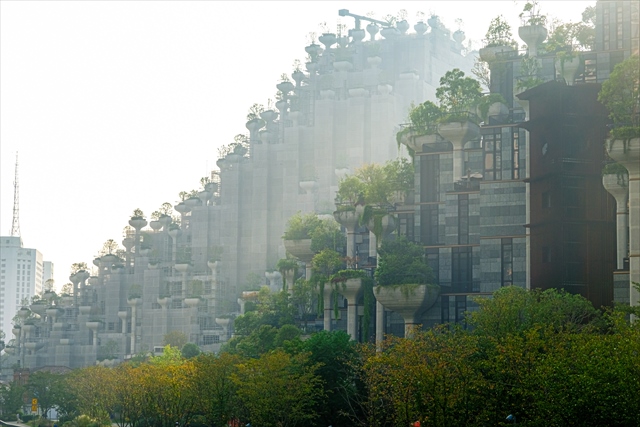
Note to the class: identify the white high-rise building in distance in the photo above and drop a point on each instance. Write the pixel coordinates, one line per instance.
(22, 275)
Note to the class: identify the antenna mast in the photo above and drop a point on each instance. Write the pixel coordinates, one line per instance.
(15, 226)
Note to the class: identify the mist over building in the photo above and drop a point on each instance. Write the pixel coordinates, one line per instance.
(478, 207)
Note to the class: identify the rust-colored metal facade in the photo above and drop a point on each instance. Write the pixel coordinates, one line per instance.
(572, 217)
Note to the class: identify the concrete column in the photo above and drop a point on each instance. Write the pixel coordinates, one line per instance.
(351, 290)
(133, 302)
(627, 152)
(409, 301)
(349, 220)
(458, 133)
(123, 316)
(175, 233)
(524, 103)
(618, 187)
(328, 290)
(379, 324)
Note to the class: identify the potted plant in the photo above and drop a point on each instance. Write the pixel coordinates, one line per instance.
(423, 127)
(373, 29)
(298, 74)
(532, 31)
(328, 39)
(285, 86)
(194, 293)
(457, 96)
(135, 292)
(137, 219)
(404, 281)
(297, 236)
(420, 27)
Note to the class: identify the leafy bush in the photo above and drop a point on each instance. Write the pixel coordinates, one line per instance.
(621, 96)
(486, 101)
(499, 33)
(402, 262)
(300, 226)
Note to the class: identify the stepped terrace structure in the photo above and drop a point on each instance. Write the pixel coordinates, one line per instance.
(342, 112)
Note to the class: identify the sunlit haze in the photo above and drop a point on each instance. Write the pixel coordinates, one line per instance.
(114, 106)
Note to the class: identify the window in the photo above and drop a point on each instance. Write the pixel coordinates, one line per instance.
(433, 259)
(429, 178)
(619, 24)
(635, 28)
(429, 224)
(574, 196)
(463, 219)
(210, 339)
(461, 269)
(492, 144)
(574, 253)
(606, 26)
(461, 308)
(515, 148)
(444, 309)
(405, 226)
(507, 262)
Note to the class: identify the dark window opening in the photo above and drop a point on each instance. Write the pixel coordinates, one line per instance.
(463, 219)
(507, 262)
(461, 269)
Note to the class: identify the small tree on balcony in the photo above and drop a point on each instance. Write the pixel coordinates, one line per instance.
(621, 96)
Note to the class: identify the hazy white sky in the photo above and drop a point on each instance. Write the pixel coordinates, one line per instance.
(119, 105)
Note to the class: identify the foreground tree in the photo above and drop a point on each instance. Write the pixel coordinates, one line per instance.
(219, 401)
(279, 390)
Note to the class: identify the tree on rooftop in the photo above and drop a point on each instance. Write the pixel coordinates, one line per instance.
(620, 94)
(457, 93)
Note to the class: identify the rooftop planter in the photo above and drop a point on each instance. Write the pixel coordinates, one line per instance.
(49, 295)
(403, 26)
(94, 324)
(53, 311)
(155, 225)
(300, 249)
(424, 121)
(192, 301)
(297, 76)
(182, 266)
(164, 300)
(372, 29)
(137, 219)
(389, 33)
(420, 27)
(134, 301)
(403, 278)
(357, 34)
(532, 31)
(328, 39)
(285, 87)
(409, 301)
(193, 201)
